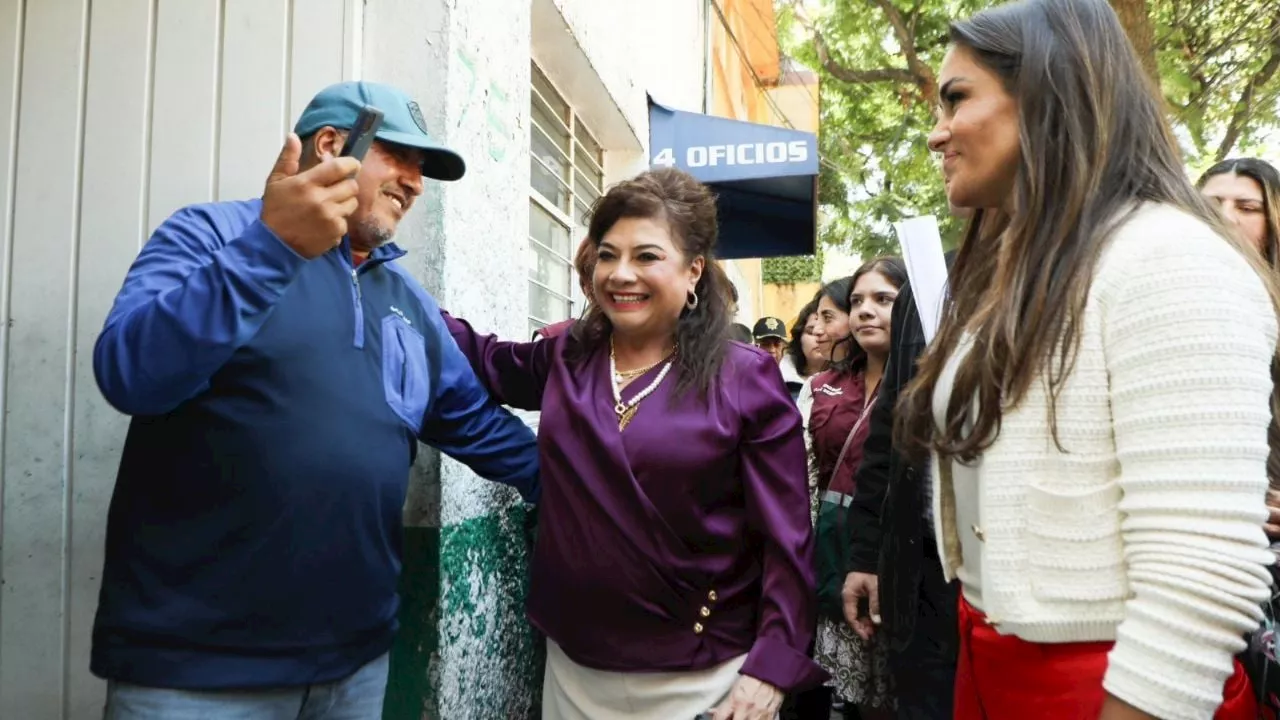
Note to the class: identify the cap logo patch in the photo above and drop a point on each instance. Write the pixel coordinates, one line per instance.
(415, 112)
(771, 323)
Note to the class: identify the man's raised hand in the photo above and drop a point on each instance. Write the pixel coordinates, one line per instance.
(308, 211)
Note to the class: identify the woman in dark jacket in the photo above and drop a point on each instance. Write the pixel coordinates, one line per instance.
(897, 577)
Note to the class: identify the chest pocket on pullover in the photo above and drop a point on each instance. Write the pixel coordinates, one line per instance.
(404, 371)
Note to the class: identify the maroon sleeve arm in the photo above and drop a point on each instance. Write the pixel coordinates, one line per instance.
(776, 485)
(514, 373)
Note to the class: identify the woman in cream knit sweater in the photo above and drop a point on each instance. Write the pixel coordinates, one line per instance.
(1098, 396)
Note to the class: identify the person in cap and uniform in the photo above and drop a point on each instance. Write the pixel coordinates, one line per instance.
(280, 368)
(770, 335)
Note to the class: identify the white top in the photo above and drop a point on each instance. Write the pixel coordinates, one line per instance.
(964, 483)
(805, 404)
(804, 401)
(1147, 530)
(790, 374)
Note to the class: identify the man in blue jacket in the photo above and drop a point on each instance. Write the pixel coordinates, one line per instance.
(280, 368)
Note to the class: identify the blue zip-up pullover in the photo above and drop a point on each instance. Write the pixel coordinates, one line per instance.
(254, 536)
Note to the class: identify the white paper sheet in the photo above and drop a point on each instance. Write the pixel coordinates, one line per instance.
(926, 268)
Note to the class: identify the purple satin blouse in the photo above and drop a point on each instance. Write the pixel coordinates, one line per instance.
(680, 542)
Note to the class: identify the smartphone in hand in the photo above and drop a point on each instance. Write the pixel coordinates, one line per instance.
(362, 133)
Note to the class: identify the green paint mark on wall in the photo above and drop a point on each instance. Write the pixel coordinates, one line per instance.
(490, 658)
(411, 693)
(465, 650)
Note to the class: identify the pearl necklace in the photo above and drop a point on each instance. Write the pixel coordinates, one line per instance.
(627, 410)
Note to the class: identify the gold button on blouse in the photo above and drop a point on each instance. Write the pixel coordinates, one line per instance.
(706, 611)
(712, 596)
(697, 628)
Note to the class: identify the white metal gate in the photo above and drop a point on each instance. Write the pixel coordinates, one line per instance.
(113, 114)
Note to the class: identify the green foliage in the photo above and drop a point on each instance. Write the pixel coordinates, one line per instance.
(792, 270)
(877, 60)
(1218, 71)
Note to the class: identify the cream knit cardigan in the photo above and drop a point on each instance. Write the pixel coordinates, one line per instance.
(1148, 529)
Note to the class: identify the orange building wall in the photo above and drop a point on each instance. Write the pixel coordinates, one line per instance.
(785, 301)
(744, 78)
(734, 90)
(799, 103)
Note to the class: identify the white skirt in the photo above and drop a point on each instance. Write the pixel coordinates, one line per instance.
(573, 692)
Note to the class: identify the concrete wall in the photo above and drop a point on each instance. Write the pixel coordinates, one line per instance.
(744, 57)
(464, 647)
(785, 301)
(635, 49)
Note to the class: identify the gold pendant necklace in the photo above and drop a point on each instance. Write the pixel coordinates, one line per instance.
(624, 416)
(620, 375)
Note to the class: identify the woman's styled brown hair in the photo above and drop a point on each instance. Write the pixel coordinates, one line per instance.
(689, 210)
(1094, 146)
(1268, 178)
(584, 263)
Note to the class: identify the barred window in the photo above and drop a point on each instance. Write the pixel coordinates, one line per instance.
(566, 176)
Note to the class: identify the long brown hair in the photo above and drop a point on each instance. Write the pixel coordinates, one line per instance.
(1094, 145)
(689, 209)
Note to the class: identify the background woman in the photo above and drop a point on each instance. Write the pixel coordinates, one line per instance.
(1099, 393)
(838, 426)
(673, 566)
(831, 305)
(808, 356)
(1247, 190)
(804, 356)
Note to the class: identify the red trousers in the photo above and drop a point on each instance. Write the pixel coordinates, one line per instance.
(1001, 677)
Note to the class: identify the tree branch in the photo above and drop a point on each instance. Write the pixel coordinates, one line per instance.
(940, 41)
(1236, 34)
(1244, 106)
(926, 81)
(838, 70)
(859, 77)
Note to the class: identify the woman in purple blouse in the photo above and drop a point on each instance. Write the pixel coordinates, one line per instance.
(673, 568)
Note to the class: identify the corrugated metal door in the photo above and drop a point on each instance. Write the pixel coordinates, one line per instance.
(113, 114)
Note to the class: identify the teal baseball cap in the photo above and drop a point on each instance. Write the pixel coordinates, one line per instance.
(402, 122)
